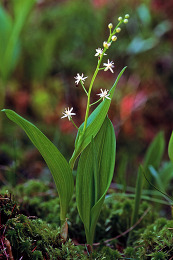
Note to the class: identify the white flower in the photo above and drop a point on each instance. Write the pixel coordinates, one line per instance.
(68, 113)
(99, 52)
(104, 94)
(80, 78)
(109, 66)
(106, 45)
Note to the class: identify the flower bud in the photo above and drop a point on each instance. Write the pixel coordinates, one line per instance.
(114, 38)
(120, 19)
(127, 16)
(118, 30)
(110, 25)
(126, 20)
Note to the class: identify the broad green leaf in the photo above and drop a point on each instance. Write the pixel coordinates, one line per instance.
(56, 162)
(154, 154)
(94, 123)
(170, 148)
(94, 176)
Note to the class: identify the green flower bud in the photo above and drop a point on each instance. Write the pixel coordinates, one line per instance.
(110, 25)
(114, 38)
(126, 20)
(120, 19)
(127, 16)
(118, 30)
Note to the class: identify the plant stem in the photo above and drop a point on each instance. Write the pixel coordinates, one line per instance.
(96, 102)
(90, 88)
(74, 123)
(94, 76)
(83, 87)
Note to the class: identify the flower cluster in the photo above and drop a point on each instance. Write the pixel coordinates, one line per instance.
(107, 66)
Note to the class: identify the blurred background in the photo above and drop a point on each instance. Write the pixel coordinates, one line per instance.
(44, 44)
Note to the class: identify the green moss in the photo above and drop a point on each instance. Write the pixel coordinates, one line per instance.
(130, 252)
(38, 199)
(106, 253)
(156, 242)
(159, 256)
(8, 208)
(35, 239)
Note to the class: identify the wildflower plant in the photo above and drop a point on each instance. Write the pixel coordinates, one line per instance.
(95, 144)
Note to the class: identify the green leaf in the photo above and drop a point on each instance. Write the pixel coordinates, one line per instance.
(94, 123)
(154, 154)
(56, 162)
(94, 176)
(166, 174)
(157, 178)
(170, 148)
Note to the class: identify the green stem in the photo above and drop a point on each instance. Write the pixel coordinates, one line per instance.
(96, 102)
(94, 76)
(90, 88)
(83, 87)
(74, 123)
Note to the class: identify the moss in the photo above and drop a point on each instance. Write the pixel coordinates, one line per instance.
(130, 252)
(8, 208)
(35, 239)
(156, 242)
(106, 253)
(159, 256)
(38, 199)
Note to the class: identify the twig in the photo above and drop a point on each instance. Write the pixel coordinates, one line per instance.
(127, 231)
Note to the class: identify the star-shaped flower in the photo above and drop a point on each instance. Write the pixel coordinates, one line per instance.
(99, 52)
(109, 66)
(104, 94)
(80, 78)
(68, 113)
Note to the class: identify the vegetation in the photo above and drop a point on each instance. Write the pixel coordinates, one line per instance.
(44, 46)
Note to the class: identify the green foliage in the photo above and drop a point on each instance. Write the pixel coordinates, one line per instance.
(8, 208)
(39, 199)
(34, 239)
(94, 175)
(130, 252)
(170, 148)
(56, 162)
(156, 241)
(95, 121)
(154, 155)
(106, 253)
